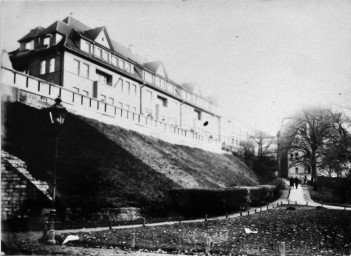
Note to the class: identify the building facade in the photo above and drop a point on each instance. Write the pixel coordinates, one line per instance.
(87, 62)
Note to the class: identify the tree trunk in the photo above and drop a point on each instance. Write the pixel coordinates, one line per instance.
(314, 174)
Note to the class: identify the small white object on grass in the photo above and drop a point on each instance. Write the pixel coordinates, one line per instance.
(70, 238)
(248, 231)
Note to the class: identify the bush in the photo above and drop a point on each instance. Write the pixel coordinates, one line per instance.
(198, 202)
(260, 195)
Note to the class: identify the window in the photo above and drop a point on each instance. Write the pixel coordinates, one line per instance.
(85, 70)
(111, 101)
(157, 81)
(104, 77)
(198, 114)
(163, 84)
(98, 52)
(148, 77)
(114, 61)
(103, 98)
(127, 67)
(121, 63)
(76, 89)
(76, 65)
(134, 89)
(85, 93)
(127, 87)
(46, 41)
(42, 67)
(169, 87)
(52, 65)
(296, 170)
(134, 109)
(120, 105)
(105, 56)
(85, 46)
(126, 107)
(120, 85)
(163, 101)
(29, 45)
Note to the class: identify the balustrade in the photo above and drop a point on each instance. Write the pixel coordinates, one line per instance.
(43, 88)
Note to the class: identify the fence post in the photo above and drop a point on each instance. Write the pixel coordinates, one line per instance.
(132, 242)
(282, 248)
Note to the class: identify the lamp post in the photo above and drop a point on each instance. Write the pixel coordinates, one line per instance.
(57, 114)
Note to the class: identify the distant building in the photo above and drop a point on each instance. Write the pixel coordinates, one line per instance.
(88, 62)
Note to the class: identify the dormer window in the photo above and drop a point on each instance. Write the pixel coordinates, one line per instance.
(127, 67)
(105, 56)
(98, 52)
(29, 45)
(85, 46)
(148, 77)
(120, 63)
(46, 41)
(114, 61)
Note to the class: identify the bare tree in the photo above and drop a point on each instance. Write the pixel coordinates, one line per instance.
(337, 153)
(311, 133)
(263, 141)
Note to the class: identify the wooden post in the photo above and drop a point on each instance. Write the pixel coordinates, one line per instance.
(255, 211)
(205, 217)
(208, 246)
(248, 213)
(282, 248)
(241, 213)
(226, 215)
(267, 207)
(144, 222)
(132, 242)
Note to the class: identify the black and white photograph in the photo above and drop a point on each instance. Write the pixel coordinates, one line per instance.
(175, 127)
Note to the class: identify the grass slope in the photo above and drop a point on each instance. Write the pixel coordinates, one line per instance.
(102, 165)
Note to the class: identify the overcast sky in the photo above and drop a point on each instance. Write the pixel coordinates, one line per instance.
(262, 59)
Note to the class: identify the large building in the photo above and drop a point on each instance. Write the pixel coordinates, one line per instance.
(87, 62)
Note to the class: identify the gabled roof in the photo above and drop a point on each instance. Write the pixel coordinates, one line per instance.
(75, 24)
(155, 65)
(92, 33)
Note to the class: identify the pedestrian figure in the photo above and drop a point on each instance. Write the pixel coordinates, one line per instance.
(305, 180)
(291, 180)
(296, 181)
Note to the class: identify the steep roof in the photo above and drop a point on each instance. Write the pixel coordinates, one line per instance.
(92, 33)
(69, 24)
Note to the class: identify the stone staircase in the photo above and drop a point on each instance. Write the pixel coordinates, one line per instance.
(19, 189)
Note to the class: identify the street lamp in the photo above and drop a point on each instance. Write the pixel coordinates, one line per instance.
(57, 114)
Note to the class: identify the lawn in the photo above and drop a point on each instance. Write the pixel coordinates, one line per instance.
(305, 230)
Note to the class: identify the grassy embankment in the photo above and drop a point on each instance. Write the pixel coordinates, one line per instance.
(102, 165)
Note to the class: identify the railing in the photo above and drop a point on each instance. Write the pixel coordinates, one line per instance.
(102, 111)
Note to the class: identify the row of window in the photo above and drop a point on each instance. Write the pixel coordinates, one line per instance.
(107, 56)
(109, 100)
(47, 66)
(150, 78)
(42, 41)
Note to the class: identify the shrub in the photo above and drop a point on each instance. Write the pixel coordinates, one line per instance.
(198, 202)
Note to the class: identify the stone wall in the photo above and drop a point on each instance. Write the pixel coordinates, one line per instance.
(20, 192)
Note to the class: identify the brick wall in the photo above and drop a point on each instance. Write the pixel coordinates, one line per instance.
(20, 192)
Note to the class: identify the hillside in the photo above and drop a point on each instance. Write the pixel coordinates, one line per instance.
(102, 165)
